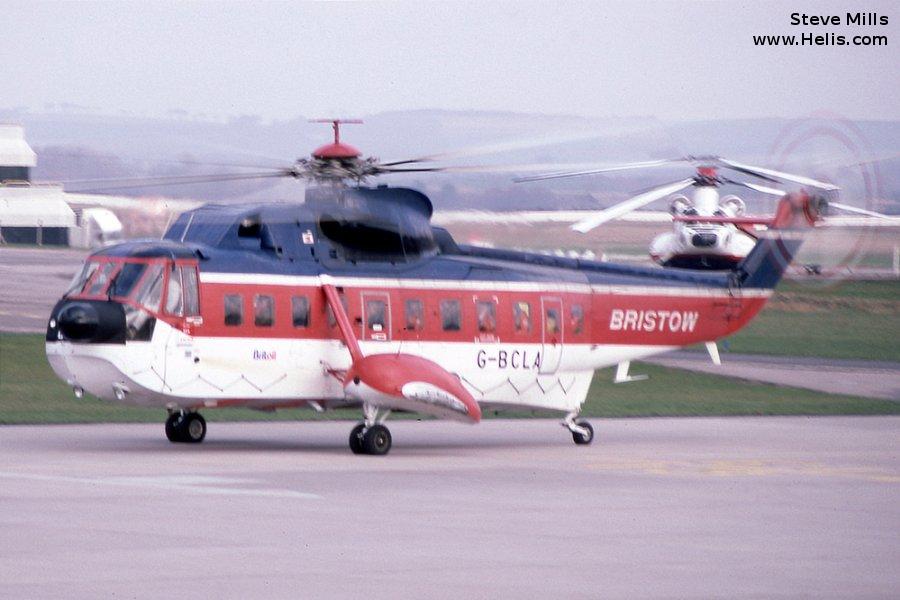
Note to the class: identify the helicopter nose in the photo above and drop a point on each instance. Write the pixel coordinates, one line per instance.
(88, 321)
(78, 321)
(704, 240)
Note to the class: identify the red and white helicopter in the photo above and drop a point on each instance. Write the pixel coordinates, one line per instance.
(353, 298)
(707, 232)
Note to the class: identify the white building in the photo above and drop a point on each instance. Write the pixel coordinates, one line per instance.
(29, 214)
(41, 213)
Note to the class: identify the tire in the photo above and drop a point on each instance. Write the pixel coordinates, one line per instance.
(173, 427)
(356, 444)
(193, 428)
(377, 440)
(580, 439)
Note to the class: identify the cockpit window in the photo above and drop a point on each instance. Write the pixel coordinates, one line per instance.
(150, 292)
(174, 304)
(98, 284)
(126, 278)
(191, 291)
(82, 277)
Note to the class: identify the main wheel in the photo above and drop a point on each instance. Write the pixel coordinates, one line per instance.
(377, 440)
(173, 427)
(585, 438)
(193, 428)
(356, 443)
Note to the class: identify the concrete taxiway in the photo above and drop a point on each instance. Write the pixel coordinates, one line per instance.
(31, 281)
(656, 508)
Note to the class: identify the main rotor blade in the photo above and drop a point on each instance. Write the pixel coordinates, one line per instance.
(625, 167)
(181, 181)
(774, 176)
(757, 187)
(862, 211)
(151, 180)
(510, 146)
(629, 205)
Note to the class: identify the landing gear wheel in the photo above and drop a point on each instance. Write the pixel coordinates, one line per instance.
(376, 440)
(193, 428)
(583, 438)
(356, 435)
(174, 426)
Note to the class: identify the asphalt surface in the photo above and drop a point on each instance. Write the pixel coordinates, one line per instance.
(655, 508)
(31, 281)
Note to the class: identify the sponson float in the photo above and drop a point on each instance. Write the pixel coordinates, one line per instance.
(353, 299)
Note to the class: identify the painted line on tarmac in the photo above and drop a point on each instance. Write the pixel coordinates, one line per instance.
(195, 484)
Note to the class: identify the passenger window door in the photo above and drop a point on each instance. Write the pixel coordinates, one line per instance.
(376, 316)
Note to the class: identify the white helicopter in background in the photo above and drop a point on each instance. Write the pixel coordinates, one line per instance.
(707, 230)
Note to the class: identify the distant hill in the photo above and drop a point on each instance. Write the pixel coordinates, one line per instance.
(73, 145)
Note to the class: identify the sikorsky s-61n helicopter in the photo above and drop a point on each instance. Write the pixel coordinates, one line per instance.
(706, 232)
(352, 298)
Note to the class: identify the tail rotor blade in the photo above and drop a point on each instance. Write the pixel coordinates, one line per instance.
(629, 205)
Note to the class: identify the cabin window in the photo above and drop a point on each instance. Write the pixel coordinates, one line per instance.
(149, 295)
(522, 317)
(234, 309)
(191, 291)
(376, 315)
(174, 305)
(577, 318)
(415, 315)
(330, 313)
(300, 311)
(263, 310)
(101, 279)
(126, 279)
(451, 313)
(486, 312)
(552, 322)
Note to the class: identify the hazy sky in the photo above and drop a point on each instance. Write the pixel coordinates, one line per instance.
(675, 60)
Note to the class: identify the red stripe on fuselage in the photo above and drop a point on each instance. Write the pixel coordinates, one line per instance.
(609, 318)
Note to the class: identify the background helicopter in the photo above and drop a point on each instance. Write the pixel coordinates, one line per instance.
(707, 230)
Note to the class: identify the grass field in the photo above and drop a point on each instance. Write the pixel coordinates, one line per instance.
(850, 319)
(31, 393)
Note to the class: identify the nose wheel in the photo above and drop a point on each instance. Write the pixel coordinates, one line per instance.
(185, 427)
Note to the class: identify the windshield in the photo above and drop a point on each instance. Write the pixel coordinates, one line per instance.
(150, 292)
(82, 277)
(98, 284)
(126, 279)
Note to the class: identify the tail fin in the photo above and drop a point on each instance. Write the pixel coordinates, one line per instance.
(764, 266)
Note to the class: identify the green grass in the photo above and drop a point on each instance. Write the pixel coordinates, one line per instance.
(31, 393)
(859, 319)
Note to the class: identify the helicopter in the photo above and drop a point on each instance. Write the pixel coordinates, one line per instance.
(707, 232)
(353, 298)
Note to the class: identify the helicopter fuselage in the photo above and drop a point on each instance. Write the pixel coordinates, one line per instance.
(230, 310)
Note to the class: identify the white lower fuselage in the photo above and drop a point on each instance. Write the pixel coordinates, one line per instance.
(178, 369)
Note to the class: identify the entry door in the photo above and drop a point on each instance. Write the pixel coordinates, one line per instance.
(376, 322)
(552, 332)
